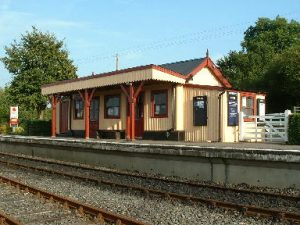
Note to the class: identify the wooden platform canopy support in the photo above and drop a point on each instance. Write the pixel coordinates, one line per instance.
(87, 96)
(53, 100)
(131, 97)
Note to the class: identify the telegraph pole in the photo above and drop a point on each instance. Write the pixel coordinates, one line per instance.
(117, 62)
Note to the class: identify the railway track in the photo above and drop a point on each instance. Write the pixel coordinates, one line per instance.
(246, 209)
(32, 205)
(8, 220)
(141, 176)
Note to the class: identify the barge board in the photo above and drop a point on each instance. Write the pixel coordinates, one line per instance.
(275, 166)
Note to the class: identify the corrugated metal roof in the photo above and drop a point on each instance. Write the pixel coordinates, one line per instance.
(183, 67)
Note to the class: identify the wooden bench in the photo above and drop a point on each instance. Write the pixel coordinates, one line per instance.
(111, 134)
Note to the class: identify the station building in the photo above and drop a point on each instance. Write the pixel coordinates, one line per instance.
(186, 101)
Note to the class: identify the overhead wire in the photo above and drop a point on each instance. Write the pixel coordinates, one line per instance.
(183, 39)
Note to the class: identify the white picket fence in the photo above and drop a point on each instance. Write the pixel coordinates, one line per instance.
(296, 109)
(267, 128)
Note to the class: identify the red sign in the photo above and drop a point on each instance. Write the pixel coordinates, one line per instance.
(14, 112)
(14, 121)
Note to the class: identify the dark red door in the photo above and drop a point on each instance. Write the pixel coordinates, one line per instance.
(64, 116)
(139, 116)
(94, 117)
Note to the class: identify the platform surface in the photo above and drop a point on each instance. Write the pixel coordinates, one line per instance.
(261, 164)
(234, 145)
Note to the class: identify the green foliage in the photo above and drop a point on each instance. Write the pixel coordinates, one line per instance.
(37, 59)
(37, 127)
(4, 128)
(283, 79)
(294, 129)
(4, 106)
(19, 130)
(263, 45)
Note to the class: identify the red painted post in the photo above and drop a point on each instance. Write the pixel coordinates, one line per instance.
(87, 114)
(132, 112)
(133, 119)
(53, 125)
(128, 129)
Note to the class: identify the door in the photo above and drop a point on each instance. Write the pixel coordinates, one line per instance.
(64, 117)
(94, 117)
(139, 116)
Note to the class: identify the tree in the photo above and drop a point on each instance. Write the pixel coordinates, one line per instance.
(283, 80)
(263, 42)
(4, 106)
(37, 59)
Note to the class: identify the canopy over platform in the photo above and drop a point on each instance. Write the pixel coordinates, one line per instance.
(179, 72)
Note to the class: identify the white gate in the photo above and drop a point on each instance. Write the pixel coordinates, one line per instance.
(296, 109)
(268, 128)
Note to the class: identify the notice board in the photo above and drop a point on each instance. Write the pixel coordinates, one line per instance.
(200, 110)
(261, 107)
(233, 117)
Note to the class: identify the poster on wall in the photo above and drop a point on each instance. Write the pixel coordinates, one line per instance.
(200, 110)
(233, 109)
(261, 107)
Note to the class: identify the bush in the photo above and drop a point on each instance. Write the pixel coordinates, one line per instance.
(4, 129)
(294, 129)
(19, 130)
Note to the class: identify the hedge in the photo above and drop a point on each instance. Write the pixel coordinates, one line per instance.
(294, 129)
(37, 127)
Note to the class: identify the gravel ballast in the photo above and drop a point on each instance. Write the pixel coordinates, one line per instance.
(29, 209)
(260, 200)
(152, 209)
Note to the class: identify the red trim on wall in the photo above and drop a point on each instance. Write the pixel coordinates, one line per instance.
(53, 121)
(198, 68)
(253, 96)
(171, 72)
(216, 72)
(246, 91)
(152, 104)
(207, 87)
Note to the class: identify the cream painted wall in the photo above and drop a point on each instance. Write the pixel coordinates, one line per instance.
(205, 77)
(201, 133)
(156, 124)
(228, 133)
(179, 110)
(231, 133)
(150, 124)
(77, 124)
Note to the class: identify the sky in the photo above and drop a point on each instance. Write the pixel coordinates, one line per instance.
(141, 32)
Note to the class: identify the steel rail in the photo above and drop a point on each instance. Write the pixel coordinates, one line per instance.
(8, 220)
(246, 209)
(211, 186)
(100, 215)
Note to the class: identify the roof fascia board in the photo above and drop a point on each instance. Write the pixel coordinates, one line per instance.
(208, 63)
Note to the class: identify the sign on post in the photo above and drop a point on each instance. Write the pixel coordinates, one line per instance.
(14, 115)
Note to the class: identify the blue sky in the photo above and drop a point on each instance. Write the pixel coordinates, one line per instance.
(140, 31)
